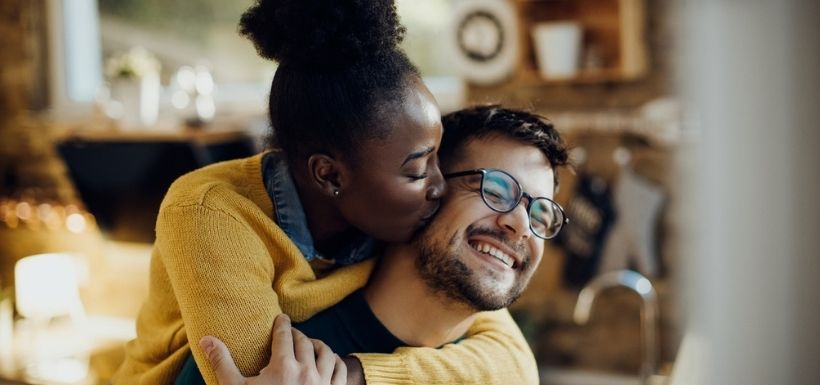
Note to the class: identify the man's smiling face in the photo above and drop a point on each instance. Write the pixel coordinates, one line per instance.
(475, 255)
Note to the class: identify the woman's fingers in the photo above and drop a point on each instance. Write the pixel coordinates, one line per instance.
(325, 360)
(221, 361)
(339, 376)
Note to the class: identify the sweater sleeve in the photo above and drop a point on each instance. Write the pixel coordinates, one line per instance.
(221, 275)
(493, 352)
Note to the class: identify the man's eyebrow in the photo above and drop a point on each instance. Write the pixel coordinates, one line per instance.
(417, 155)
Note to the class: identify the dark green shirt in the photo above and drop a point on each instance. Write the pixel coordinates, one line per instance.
(347, 327)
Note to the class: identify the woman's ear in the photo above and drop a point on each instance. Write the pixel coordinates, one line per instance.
(327, 173)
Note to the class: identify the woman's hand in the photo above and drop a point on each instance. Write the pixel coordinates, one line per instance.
(295, 360)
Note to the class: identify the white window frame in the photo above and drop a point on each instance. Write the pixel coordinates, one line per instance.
(76, 73)
(75, 59)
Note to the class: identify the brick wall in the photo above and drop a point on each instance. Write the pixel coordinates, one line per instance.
(30, 170)
(28, 163)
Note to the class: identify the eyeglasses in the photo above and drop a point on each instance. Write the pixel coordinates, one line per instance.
(502, 193)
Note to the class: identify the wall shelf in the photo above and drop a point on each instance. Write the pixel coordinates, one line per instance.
(613, 37)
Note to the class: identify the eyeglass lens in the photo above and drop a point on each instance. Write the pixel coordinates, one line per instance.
(503, 193)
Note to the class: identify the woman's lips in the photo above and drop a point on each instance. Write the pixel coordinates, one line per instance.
(431, 213)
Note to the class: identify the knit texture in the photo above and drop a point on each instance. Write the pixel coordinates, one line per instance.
(222, 267)
(493, 352)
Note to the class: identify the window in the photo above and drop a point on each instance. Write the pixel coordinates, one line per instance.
(192, 32)
(185, 33)
(428, 23)
(180, 32)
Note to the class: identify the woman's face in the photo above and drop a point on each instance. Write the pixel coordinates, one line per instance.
(395, 187)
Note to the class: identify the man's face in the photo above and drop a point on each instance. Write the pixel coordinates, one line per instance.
(459, 251)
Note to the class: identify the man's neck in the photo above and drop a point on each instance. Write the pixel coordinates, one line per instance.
(411, 310)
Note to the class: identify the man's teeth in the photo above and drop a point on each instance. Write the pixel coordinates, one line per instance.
(495, 253)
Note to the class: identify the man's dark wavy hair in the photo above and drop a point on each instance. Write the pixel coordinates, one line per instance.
(479, 122)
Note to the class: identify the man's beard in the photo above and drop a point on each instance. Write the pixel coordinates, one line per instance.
(441, 268)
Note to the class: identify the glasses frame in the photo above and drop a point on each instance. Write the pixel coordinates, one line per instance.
(483, 172)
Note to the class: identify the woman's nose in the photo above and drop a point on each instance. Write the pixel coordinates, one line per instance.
(437, 187)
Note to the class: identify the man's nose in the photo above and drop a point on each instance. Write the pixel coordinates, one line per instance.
(516, 223)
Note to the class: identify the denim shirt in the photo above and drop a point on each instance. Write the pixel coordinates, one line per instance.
(291, 216)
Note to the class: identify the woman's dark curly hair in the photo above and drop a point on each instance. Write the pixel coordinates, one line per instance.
(480, 122)
(340, 71)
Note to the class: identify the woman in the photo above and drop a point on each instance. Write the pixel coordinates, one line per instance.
(241, 242)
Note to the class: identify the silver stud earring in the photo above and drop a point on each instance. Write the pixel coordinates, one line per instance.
(336, 192)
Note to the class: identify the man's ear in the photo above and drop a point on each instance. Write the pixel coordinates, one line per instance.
(327, 173)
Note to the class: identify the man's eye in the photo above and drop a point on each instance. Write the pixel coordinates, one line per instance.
(539, 221)
(494, 196)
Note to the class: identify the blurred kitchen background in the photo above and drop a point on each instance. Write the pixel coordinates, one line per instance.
(692, 252)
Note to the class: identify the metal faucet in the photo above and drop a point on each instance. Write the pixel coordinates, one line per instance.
(649, 311)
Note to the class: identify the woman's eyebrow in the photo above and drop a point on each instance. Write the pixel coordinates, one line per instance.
(417, 155)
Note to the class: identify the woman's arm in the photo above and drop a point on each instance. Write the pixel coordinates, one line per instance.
(221, 276)
(493, 352)
(222, 280)
(295, 360)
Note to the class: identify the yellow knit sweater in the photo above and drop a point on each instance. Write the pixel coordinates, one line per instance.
(222, 267)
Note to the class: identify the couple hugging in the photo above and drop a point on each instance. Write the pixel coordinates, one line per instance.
(393, 238)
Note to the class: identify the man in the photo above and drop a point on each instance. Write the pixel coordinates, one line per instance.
(477, 255)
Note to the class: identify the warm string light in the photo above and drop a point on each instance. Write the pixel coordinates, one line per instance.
(35, 215)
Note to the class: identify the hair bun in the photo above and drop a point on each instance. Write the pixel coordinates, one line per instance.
(322, 32)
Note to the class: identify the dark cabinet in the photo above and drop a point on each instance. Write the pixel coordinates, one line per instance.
(122, 177)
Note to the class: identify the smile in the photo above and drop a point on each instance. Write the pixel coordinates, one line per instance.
(492, 251)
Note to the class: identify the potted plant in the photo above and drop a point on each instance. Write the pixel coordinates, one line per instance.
(134, 81)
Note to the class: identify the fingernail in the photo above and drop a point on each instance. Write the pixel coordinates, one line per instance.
(206, 344)
(285, 317)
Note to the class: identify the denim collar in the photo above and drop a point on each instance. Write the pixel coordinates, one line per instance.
(290, 216)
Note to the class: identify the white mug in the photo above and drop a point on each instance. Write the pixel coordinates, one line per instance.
(557, 48)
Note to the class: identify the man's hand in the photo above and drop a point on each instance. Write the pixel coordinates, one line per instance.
(295, 360)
